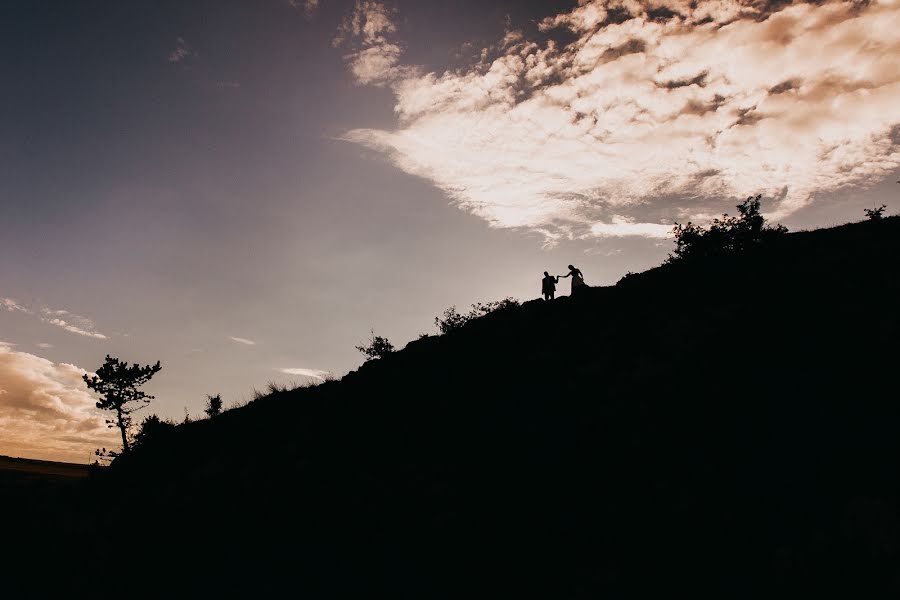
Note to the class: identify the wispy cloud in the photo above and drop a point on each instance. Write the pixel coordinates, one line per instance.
(241, 340)
(72, 323)
(309, 6)
(375, 57)
(312, 373)
(181, 52)
(73, 328)
(44, 345)
(46, 410)
(657, 109)
(12, 306)
(625, 227)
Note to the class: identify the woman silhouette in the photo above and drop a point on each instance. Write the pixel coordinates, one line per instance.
(577, 279)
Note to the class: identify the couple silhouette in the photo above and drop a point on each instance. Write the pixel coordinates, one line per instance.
(548, 284)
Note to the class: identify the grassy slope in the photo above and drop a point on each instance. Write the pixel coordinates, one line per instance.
(727, 426)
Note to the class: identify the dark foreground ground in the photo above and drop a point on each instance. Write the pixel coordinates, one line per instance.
(726, 428)
(13, 469)
(23, 480)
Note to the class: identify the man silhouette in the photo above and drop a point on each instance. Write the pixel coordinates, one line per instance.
(548, 286)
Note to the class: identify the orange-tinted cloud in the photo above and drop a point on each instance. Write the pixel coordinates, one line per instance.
(375, 58)
(46, 411)
(661, 104)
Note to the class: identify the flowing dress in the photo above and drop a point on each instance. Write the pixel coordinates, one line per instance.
(577, 281)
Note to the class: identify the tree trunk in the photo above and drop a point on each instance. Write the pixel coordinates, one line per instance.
(121, 424)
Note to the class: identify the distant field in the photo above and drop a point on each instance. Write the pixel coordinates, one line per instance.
(18, 467)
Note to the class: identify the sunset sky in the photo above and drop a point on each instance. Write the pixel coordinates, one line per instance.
(244, 189)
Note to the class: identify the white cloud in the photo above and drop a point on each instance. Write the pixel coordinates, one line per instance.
(375, 59)
(12, 306)
(661, 112)
(74, 324)
(623, 227)
(44, 345)
(73, 328)
(241, 340)
(313, 373)
(46, 411)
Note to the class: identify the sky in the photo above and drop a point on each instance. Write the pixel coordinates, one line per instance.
(244, 190)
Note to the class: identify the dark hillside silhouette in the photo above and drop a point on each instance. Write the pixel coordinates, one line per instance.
(725, 426)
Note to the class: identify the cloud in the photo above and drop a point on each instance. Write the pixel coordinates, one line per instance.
(44, 345)
(244, 341)
(375, 58)
(46, 411)
(309, 6)
(72, 328)
(313, 373)
(74, 323)
(665, 107)
(623, 227)
(181, 52)
(12, 306)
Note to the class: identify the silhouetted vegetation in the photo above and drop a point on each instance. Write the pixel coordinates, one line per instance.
(118, 384)
(272, 388)
(875, 214)
(728, 235)
(726, 425)
(151, 429)
(103, 457)
(213, 406)
(451, 319)
(376, 347)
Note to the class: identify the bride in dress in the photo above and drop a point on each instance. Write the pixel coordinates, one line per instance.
(577, 279)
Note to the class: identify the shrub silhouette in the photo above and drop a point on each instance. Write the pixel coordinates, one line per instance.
(377, 347)
(451, 319)
(104, 456)
(118, 385)
(727, 235)
(213, 406)
(875, 214)
(152, 428)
